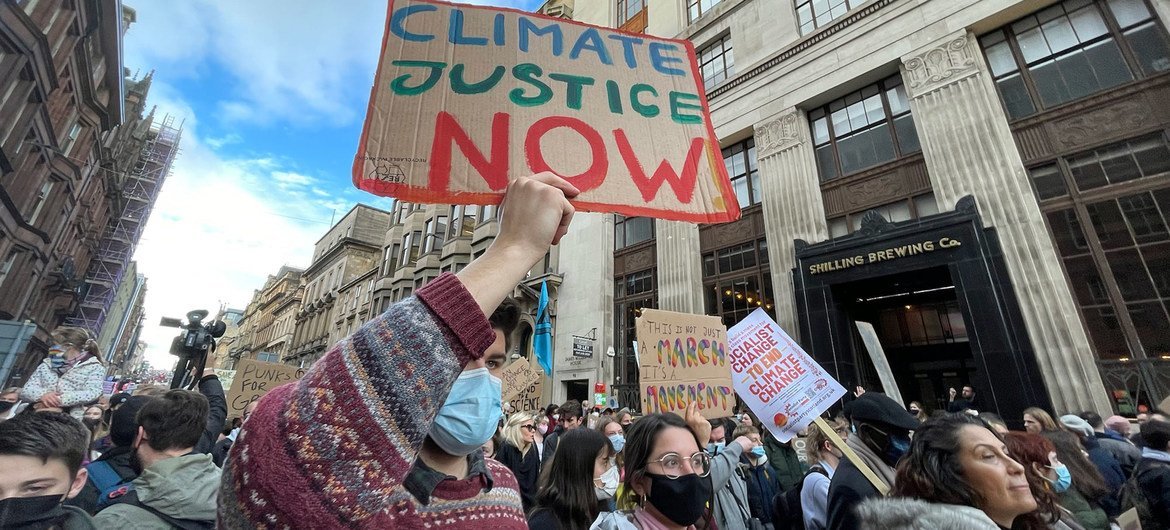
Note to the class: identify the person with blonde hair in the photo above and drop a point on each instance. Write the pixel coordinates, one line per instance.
(517, 450)
(70, 377)
(814, 490)
(1037, 420)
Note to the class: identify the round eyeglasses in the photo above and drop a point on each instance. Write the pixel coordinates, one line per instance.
(672, 464)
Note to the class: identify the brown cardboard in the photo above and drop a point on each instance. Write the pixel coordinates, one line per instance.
(253, 379)
(467, 98)
(682, 358)
(517, 377)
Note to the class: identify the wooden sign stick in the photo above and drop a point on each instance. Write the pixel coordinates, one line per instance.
(852, 456)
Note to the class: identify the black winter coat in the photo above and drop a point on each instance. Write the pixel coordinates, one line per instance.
(848, 488)
(526, 467)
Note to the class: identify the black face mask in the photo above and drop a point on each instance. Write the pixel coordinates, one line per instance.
(5, 406)
(681, 500)
(91, 423)
(30, 512)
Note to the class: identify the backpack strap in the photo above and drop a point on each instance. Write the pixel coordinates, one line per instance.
(132, 499)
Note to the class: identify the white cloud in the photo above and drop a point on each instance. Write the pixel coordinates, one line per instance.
(290, 179)
(219, 228)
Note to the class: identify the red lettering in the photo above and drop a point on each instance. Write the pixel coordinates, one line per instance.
(494, 171)
(683, 186)
(592, 177)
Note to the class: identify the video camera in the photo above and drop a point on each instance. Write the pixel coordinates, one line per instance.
(193, 343)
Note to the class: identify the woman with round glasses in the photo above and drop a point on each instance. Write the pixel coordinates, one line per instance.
(667, 475)
(517, 450)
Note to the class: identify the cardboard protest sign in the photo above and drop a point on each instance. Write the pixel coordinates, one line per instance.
(684, 359)
(467, 98)
(253, 379)
(517, 377)
(779, 381)
(225, 377)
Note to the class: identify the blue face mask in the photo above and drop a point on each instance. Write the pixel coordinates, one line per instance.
(469, 417)
(899, 446)
(758, 450)
(618, 442)
(1063, 479)
(715, 448)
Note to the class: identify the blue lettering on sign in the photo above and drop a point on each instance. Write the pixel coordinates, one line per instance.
(590, 39)
(628, 42)
(527, 27)
(399, 17)
(661, 61)
(455, 31)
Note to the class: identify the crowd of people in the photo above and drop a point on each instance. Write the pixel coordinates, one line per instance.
(402, 425)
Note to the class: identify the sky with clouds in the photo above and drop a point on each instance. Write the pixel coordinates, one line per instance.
(271, 95)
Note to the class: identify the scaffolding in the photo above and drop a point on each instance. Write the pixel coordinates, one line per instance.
(137, 195)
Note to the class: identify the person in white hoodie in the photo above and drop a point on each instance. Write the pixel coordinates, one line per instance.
(959, 476)
(70, 377)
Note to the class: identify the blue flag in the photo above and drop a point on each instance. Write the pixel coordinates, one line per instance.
(542, 342)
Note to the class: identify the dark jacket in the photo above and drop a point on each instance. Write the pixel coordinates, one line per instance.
(526, 468)
(212, 389)
(220, 452)
(119, 460)
(1126, 453)
(961, 404)
(1153, 476)
(848, 488)
(1110, 471)
(782, 457)
(762, 485)
(550, 443)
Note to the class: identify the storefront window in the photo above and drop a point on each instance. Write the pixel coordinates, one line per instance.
(1118, 270)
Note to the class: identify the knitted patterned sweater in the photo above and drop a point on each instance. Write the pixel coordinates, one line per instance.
(333, 449)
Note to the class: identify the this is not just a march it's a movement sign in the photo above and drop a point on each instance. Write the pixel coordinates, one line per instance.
(467, 98)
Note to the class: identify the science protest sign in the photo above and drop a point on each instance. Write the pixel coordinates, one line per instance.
(779, 381)
(253, 379)
(467, 98)
(522, 385)
(683, 358)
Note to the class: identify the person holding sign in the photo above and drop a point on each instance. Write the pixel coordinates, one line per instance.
(881, 436)
(386, 430)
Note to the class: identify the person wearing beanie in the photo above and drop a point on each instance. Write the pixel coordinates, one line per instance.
(880, 436)
(386, 429)
(1109, 467)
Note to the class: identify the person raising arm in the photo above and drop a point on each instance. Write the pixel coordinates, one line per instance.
(386, 429)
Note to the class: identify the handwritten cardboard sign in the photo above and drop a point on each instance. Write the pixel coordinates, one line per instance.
(253, 379)
(467, 98)
(683, 358)
(779, 381)
(518, 376)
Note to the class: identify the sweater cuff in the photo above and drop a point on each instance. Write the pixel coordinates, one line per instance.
(457, 309)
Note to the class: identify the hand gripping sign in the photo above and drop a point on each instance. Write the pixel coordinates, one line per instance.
(467, 98)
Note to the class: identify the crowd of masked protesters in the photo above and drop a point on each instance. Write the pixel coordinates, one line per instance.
(402, 425)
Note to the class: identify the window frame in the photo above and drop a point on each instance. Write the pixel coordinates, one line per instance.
(623, 10)
(619, 224)
(888, 118)
(850, 5)
(747, 148)
(1114, 32)
(726, 51)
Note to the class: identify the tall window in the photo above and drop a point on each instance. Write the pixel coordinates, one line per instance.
(391, 259)
(716, 62)
(410, 247)
(39, 202)
(629, 231)
(696, 8)
(1114, 241)
(6, 266)
(436, 230)
(812, 14)
(737, 281)
(866, 128)
(1074, 49)
(463, 220)
(633, 293)
(627, 9)
(740, 160)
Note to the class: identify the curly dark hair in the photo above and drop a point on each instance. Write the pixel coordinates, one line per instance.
(931, 470)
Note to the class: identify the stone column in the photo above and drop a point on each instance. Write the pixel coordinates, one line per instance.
(680, 267)
(792, 204)
(969, 150)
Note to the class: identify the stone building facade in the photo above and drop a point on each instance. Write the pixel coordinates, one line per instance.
(347, 252)
(985, 181)
(66, 143)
